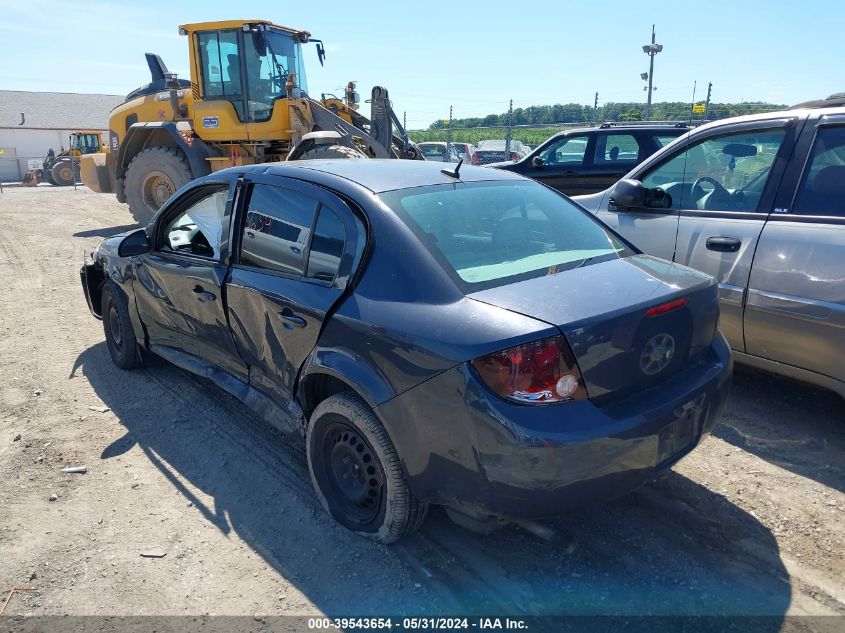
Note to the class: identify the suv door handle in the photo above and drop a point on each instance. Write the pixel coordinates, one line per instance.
(723, 244)
(203, 295)
(290, 320)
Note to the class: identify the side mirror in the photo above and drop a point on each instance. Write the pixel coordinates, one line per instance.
(628, 194)
(136, 243)
(537, 162)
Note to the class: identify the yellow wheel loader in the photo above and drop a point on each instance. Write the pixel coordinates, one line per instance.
(246, 102)
(61, 169)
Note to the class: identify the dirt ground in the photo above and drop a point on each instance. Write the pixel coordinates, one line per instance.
(752, 522)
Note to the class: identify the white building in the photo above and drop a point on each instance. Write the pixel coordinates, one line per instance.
(33, 122)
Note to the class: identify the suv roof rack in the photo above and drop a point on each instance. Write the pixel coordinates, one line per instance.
(606, 125)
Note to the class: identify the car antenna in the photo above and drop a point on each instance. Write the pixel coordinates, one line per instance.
(453, 173)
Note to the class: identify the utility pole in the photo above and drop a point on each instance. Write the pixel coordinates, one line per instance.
(651, 50)
(508, 132)
(692, 103)
(449, 132)
(595, 107)
(707, 103)
(405, 120)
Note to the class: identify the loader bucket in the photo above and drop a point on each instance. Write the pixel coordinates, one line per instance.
(95, 174)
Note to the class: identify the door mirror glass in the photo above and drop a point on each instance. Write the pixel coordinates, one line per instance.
(537, 162)
(628, 194)
(135, 243)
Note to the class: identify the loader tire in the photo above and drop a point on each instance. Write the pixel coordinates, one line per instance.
(63, 173)
(151, 178)
(331, 151)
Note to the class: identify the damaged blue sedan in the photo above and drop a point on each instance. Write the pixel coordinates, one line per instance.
(463, 337)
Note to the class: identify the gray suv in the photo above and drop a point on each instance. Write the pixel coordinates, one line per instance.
(759, 203)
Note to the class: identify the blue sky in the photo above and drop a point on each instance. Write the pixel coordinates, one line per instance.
(472, 55)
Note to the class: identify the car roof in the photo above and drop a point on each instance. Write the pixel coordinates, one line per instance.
(380, 175)
(763, 116)
(648, 127)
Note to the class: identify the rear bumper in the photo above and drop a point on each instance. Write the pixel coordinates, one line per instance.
(465, 448)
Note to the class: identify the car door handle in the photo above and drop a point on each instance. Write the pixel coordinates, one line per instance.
(723, 244)
(290, 319)
(296, 250)
(250, 234)
(203, 295)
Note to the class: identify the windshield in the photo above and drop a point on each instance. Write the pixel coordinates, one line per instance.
(268, 69)
(487, 234)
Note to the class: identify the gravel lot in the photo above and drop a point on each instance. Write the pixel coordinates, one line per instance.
(753, 522)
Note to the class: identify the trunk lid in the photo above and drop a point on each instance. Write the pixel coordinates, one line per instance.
(603, 311)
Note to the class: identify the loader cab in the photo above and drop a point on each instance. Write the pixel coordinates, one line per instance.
(247, 65)
(85, 142)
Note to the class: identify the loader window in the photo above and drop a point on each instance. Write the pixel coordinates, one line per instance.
(268, 67)
(221, 67)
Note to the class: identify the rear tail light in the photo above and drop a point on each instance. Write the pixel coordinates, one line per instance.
(540, 372)
(476, 160)
(663, 308)
(514, 156)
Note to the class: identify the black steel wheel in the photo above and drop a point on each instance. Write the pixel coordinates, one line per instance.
(120, 335)
(356, 471)
(354, 477)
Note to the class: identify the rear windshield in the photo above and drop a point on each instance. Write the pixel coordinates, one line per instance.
(433, 150)
(487, 234)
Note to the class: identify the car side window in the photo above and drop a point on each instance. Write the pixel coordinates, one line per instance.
(615, 149)
(566, 151)
(197, 229)
(326, 246)
(822, 189)
(723, 173)
(277, 229)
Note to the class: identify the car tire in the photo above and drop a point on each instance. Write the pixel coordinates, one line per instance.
(151, 178)
(63, 173)
(120, 335)
(331, 151)
(356, 471)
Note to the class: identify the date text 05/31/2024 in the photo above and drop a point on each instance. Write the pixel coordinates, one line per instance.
(416, 624)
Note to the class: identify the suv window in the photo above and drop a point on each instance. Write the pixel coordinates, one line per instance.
(822, 190)
(276, 229)
(723, 173)
(612, 149)
(662, 140)
(568, 150)
(196, 230)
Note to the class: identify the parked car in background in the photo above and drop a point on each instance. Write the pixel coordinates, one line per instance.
(588, 160)
(589, 367)
(495, 151)
(439, 152)
(465, 151)
(758, 202)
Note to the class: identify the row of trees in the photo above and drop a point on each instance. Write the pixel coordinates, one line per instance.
(576, 113)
